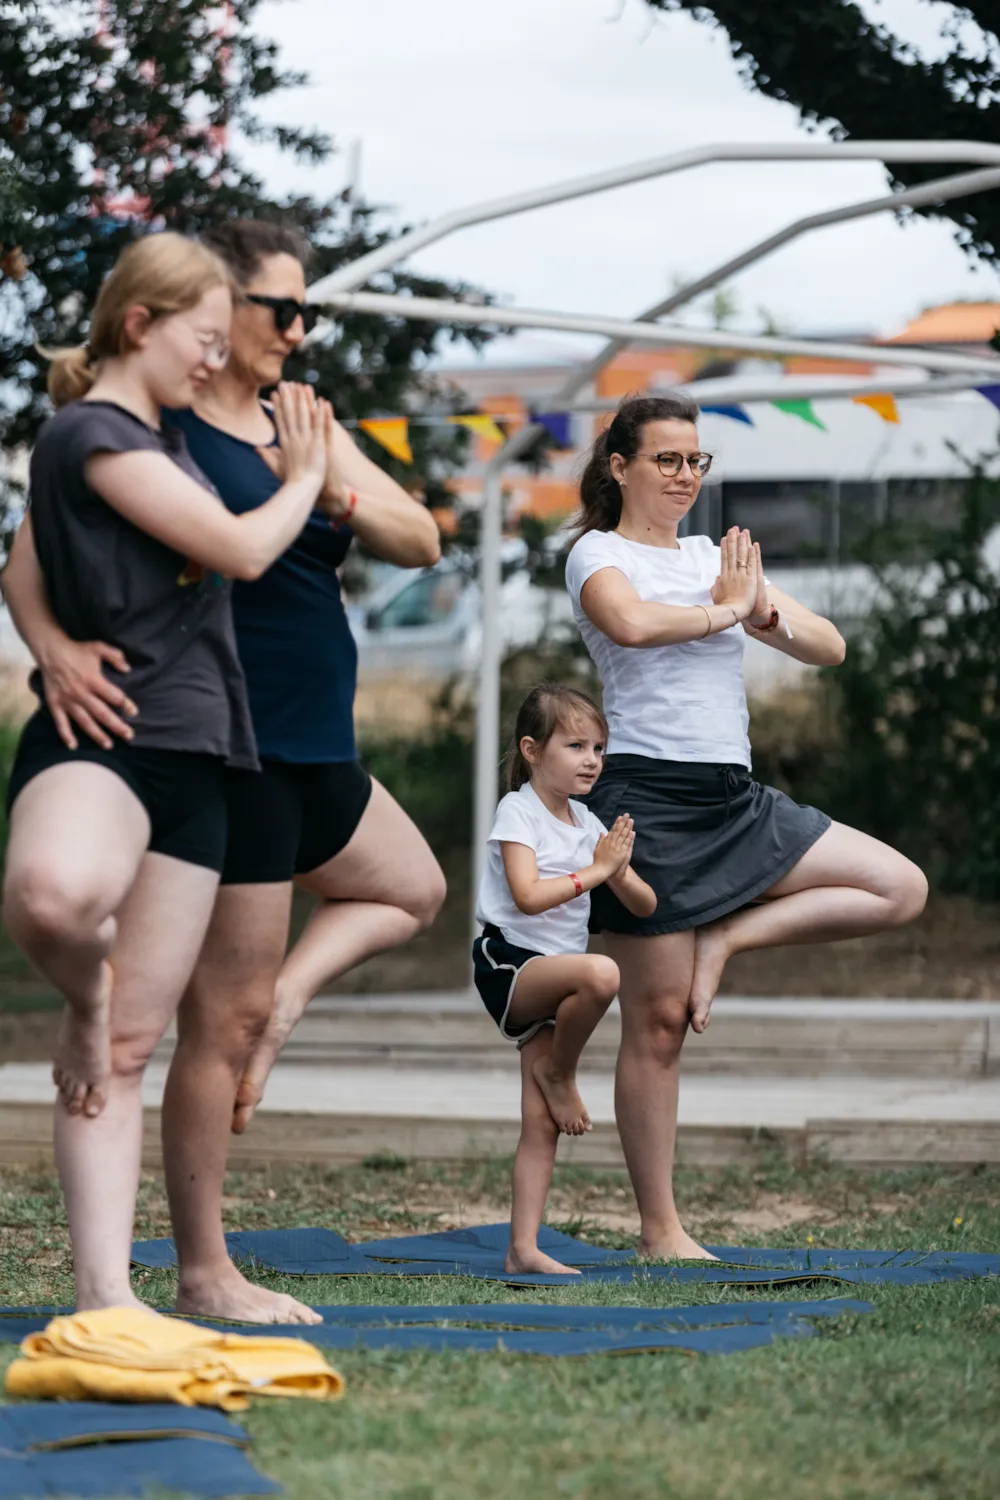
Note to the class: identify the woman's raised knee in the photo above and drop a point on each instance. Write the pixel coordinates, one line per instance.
(427, 895)
(909, 894)
(44, 904)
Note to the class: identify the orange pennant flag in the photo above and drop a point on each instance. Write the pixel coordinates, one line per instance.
(393, 433)
(482, 425)
(883, 404)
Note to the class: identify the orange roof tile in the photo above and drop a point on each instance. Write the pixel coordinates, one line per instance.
(954, 323)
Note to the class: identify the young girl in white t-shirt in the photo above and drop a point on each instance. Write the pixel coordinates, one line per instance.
(545, 853)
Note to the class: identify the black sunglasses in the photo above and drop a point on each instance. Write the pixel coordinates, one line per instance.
(286, 310)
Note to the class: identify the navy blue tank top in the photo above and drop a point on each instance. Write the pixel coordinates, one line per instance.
(294, 642)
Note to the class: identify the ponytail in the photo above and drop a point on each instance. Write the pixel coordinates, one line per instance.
(165, 273)
(600, 492)
(71, 373)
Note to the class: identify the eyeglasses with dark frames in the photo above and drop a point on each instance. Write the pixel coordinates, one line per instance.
(286, 310)
(670, 464)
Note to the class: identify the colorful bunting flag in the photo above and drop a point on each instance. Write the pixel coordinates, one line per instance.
(884, 405)
(991, 392)
(803, 409)
(556, 424)
(482, 424)
(393, 433)
(736, 413)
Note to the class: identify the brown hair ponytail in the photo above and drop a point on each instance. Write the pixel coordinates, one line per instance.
(600, 492)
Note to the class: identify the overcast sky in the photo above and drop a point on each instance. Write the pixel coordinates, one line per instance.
(454, 101)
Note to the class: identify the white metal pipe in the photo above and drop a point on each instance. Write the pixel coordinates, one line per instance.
(939, 191)
(346, 278)
(665, 335)
(734, 392)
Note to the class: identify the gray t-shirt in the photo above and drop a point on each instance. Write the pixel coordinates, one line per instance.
(109, 581)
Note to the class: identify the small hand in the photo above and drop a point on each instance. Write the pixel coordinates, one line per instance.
(613, 851)
(77, 691)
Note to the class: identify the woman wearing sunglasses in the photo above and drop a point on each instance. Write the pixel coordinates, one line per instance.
(735, 865)
(312, 816)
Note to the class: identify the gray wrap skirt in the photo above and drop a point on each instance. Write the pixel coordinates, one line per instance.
(708, 839)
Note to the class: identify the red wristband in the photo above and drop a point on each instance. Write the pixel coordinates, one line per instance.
(577, 882)
(344, 519)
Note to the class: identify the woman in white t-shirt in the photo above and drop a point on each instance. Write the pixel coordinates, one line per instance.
(545, 853)
(665, 619)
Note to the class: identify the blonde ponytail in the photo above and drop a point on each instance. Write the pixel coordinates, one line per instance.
(165, 273)
(71, 373)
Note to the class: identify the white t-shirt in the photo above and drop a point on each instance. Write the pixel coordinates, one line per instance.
(681, 702)
(523, 818)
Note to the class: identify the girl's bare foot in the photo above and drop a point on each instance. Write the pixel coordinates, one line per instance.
(225, 1293)
(534, 1260)
(711, 954)
(562, 1097)
(81, 1066)
(675, 1246)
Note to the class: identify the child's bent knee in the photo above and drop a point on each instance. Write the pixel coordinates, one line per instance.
(603, 978)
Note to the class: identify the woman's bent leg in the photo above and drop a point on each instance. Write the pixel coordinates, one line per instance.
(222, 1016)
(655, 984)
(378, 892)
(847, 885)
(161, 925)
(77, 836)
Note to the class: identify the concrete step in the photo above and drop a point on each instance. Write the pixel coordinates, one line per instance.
(346, 1114)
(748, 1036)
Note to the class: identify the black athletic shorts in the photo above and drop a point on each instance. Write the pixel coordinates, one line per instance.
(496, 963)
(183, 791)
(288, 819)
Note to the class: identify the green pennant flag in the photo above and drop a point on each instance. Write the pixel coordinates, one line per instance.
(803, 409)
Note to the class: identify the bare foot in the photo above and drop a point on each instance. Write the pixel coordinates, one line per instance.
(711, 954)
(226, 1293)
(562, 1097)
(676, 1246)
(250, 1090)
(81, 1067)
(534, 1260)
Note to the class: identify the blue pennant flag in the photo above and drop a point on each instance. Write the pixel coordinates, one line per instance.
(556, 424)
(737, 413)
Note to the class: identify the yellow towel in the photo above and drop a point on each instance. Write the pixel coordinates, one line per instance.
(134, 1354)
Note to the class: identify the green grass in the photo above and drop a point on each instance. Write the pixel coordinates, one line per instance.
(899, 1405)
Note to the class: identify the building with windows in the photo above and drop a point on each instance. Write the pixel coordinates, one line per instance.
(808, 489)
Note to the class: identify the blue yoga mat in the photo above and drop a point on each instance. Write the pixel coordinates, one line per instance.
(554, 1332)
(187, 1465)
(484, 1246)
(33, 1427)
(479, 1252)
(488, 1243)
(541, 1315)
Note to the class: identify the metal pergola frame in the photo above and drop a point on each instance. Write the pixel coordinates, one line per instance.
(340, 291)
